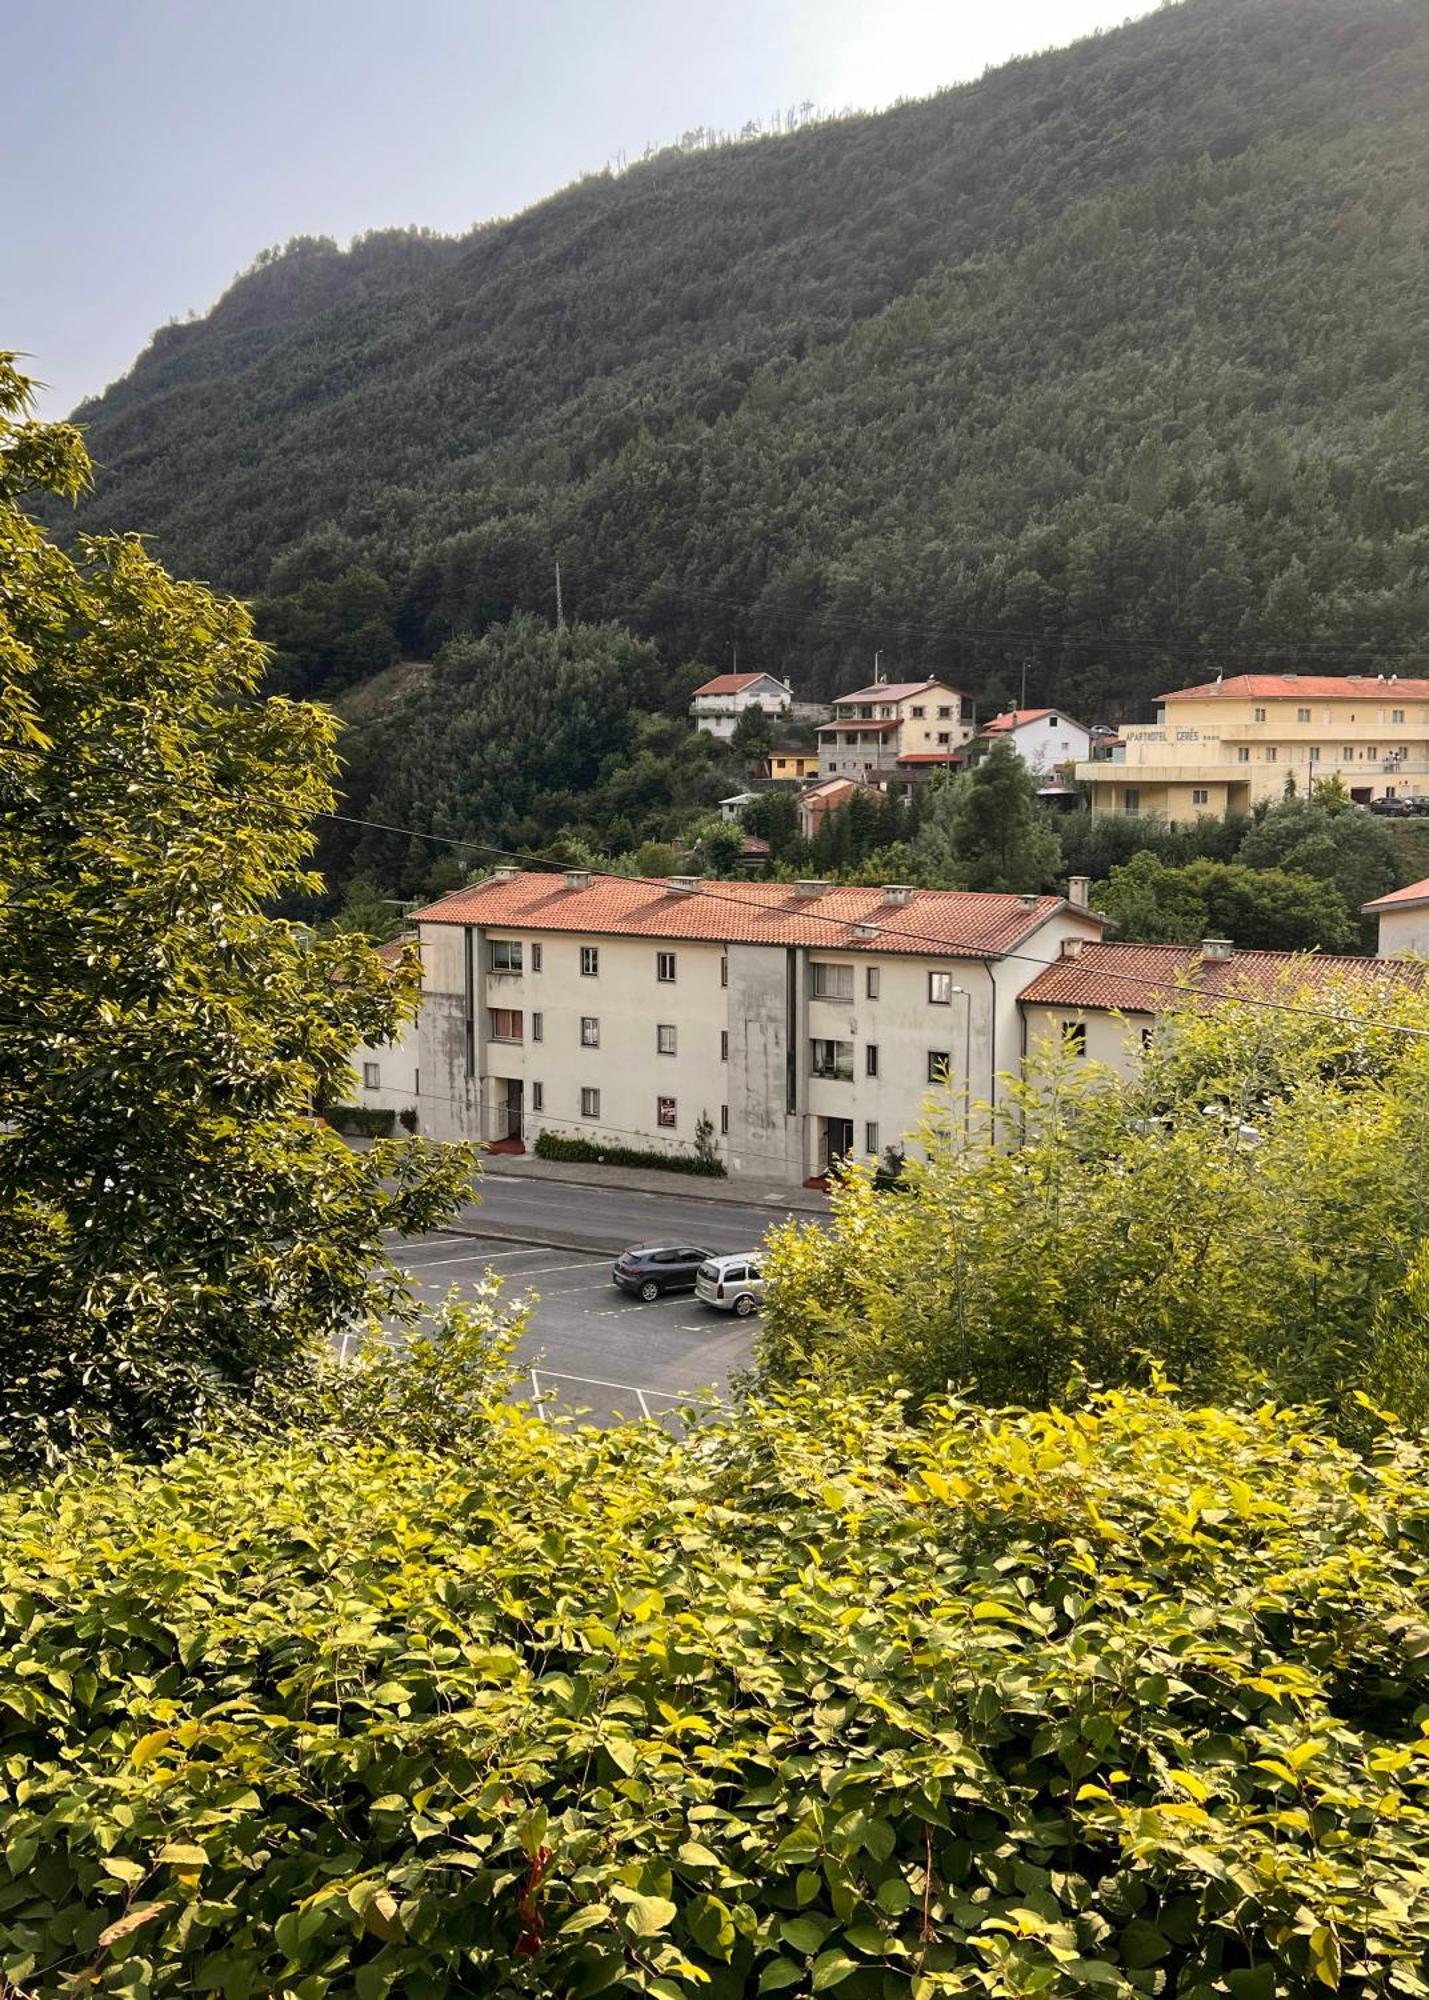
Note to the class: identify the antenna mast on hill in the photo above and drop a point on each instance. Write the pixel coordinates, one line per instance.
(877, 676)
(560, 621)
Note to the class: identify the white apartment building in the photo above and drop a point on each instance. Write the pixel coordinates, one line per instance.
(385, 1074)
(717, 706)
(805, 1023)
(894, 729)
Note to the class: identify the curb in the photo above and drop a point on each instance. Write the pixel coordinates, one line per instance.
(771, 1202)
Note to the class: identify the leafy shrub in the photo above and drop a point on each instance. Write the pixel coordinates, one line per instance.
(1125, 1700)
(407, 1118)
(367, 1121)
(554, 1146)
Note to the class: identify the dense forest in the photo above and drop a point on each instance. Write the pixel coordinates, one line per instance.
(1112, 362)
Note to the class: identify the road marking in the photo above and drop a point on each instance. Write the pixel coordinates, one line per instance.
(480, 1257)
(589, 1265)
(629, 1388)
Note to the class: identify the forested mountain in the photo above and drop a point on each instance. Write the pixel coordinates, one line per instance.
(1112, 361)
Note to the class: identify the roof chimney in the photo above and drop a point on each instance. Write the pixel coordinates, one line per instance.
(866, 931)
(1079, 891)
(578, 878)
(1220, 948)
(808, 891)
(1072, 947)
(682, 885)
(505, 875)
(1029, 902)
(897, 893)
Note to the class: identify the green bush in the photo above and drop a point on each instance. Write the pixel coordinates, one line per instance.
(1127, 1700)
(552, 1146)
(365, 1120)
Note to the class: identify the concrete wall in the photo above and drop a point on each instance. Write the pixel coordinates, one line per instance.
(1404, 931)
(1113, 1040)
(765, 1138)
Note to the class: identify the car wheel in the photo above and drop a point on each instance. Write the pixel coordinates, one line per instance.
(649, 1290)
(744, 1304)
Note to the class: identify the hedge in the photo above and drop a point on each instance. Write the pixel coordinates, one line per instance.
(552, 1146)
(367, 1120)
(1129, 1700)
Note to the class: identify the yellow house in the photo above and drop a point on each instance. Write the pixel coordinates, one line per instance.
(793, 767)
(1225, 746)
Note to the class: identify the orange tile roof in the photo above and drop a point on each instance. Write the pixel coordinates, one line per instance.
(934, 757)
(893, 691)
(732, 684)
(1144, 978)
(867, 722)
(1015, 718)
(1400, 899)
(933, 923)
(1302, 687)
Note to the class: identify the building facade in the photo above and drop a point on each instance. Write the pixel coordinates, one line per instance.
(792, 767)
(789, 1024)
(717, 706)
(385, 1075)
(1044, 738)
(1229, 744)
(1403, 919)
(894, 729)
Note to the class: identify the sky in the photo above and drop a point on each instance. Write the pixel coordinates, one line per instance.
(150, 148)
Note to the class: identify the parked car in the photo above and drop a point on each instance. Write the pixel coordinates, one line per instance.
(1392, 808)
(1418, 804)
(647, 1269)
(732, 1284)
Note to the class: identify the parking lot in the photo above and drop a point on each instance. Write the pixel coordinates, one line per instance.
(590, 1351)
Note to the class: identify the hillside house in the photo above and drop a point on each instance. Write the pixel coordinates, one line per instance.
(717, 706)
(895, 729)
(1044, 738)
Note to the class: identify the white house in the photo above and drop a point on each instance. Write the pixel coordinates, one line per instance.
(717, 706)
(1042, 737)
(1403, 920)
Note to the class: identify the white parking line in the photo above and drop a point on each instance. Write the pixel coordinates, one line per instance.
(482, 1257)
(595, 1382)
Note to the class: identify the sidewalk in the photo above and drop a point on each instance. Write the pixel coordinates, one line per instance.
(650, 1180)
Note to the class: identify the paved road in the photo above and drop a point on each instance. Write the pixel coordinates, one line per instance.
(589, 1349)
(611, 1218)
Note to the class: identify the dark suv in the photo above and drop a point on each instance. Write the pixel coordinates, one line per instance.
(648, 1271)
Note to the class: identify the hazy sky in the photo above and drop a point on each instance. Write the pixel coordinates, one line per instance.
(149, 148)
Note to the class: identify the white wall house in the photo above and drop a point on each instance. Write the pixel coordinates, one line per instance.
(1042, 737)
(717, 706)
(1403, 921)
(805, 1022)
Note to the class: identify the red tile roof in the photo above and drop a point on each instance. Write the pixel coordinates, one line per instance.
(1401, 899)
(1302, 687)
(732, 684)
(894, 691)
(1144, 978)
(878, 728)
(1017, 718)
(933, 923)
(933, 757)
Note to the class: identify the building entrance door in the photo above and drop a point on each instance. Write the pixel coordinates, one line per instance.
(515, 1107)
(838, 1142)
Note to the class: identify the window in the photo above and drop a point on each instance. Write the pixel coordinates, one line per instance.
(945, 735)
(590, 961)
(870, 1138)
(590, 1032)
(870, 982)
(590, 1103)
(1314, 753)
(1371, 751)
(1302, 715)
(665, 967)
(535, 958)
(945, 714)
(724, 1121)
(1074, 1037)
(506, 954)
(724, 1044)
(1200, 796)
(665, 1039)
(870, 1059)
(940, 989)
(917, 713)
(1260, 715)
(830, 982)
(538, 1027)
(724, 968)
(505, 1024)
(1396, 715)
(1242, 756)
(939, 1063)
(371, 1076)
(1349, 754)
(538, 1096)
(832, 1059)
(1131, 800)
(1146, 1037)
(665, 1112)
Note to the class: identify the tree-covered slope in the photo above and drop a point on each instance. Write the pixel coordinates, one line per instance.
(1106, 361)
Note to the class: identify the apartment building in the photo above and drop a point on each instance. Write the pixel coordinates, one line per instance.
(894, 729)
(1225, 746)
(805, 1023)
(1103, 1000)
(717, 706)
(385, 1074)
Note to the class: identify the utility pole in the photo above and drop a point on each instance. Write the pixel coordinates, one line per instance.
(876, 658)
(1025, 665)
(559, 619)
(734, 657)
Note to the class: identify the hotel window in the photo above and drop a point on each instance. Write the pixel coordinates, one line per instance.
(535, 958)
(505, 1024)
(1270, 753)
(870, 982)
(830, 982)
(1349, 754)
(371, 1077)
(590, 1032)
(724, 1044)
(1396, 715)
(870, 1138)
(538, 1096)
(665, 1039)
(1371, 751)
(538, 1027)
(870, 1059)
(506, 954)
(590, 1103)
(1074, 1037)
(665, 1112)
(1242, 756)
(1302, 715)
(724, 1120)
(1131, 800)
(1200, 796)
(1314, 753)
(940, 989)
(665, 967)
(1260, 715)
(590, 961)
(939, 1065)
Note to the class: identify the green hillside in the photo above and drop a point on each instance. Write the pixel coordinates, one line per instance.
(1112, 362)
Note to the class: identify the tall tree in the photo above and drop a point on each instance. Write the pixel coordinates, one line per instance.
(174, 1223)
(999, 838)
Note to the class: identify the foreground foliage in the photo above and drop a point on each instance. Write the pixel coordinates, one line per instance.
(1014, 1704)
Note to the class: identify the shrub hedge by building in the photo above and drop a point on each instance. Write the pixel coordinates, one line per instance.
(1129, 1700)
(554, 1146)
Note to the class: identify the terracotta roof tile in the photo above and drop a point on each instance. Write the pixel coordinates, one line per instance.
(1400, 899)
(1144, 978)
(1302, 687)
(731, 684)
(1017, 718)
(933, 923)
